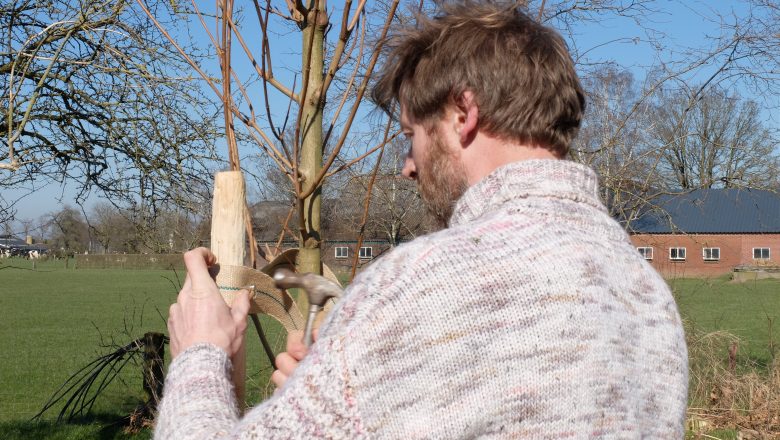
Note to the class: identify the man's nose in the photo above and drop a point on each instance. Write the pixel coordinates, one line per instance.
(409, 170)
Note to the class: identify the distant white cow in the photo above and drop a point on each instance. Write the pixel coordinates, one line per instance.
(34, 254)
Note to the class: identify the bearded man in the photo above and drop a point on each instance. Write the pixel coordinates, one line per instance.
(530, 315)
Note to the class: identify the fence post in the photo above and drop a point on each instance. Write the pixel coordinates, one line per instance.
(154, 364)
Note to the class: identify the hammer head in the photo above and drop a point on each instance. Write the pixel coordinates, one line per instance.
(318, 289)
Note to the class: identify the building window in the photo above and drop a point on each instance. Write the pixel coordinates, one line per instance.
(711, 254)
(760, 253)
(342, 252)
(677, 254)
(366, 252)
(646, 252)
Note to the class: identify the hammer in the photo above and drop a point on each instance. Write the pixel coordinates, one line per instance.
(318, 289)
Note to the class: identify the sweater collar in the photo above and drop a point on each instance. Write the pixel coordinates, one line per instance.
(561, 179)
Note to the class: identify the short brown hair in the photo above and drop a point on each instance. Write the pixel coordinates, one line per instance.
(520, 72)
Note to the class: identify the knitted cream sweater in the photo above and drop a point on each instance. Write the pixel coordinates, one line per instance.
(531, 317)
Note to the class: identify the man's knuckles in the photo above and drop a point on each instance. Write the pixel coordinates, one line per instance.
(200, 292)
(278, 378)
(286, 363)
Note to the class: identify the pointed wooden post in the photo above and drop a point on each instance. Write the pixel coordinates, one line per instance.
(228, 243)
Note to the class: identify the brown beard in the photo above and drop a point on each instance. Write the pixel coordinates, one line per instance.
(441, 180)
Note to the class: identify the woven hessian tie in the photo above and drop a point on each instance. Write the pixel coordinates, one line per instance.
(265, 297)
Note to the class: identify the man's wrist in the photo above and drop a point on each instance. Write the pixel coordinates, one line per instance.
(205, 355)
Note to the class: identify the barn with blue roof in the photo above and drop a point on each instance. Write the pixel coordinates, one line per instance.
(710, 232)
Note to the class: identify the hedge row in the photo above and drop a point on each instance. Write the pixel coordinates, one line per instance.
(130, 261)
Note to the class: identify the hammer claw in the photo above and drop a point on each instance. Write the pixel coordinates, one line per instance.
(318, 290)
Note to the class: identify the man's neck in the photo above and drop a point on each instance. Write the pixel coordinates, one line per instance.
(485, 154)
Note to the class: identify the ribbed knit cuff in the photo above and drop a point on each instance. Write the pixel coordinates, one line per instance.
(198, 400)
(205, 364)
(202, 354)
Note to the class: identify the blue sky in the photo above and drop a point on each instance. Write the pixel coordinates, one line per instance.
(679, 25)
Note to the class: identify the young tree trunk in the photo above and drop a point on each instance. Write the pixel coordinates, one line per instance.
(309, 208)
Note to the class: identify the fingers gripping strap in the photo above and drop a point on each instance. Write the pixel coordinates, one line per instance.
(265, 298)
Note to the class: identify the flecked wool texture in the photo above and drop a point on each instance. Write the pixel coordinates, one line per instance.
(532, 316)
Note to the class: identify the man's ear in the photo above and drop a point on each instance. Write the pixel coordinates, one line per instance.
(468, 117)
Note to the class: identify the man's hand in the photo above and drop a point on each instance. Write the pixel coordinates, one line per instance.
(288, 361)
(200, 314)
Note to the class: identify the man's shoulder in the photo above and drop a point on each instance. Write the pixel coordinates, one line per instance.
(406, 255)
(428, 247)
(448, 252)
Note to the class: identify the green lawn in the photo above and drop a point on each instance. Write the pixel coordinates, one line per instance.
(749, 310)
(56, 320)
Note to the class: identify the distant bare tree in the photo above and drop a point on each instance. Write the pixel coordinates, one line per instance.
(717, 140)
(69, 231)
(683, 123)
(611, 139)
(112, 229)
(648, 140)
(171, 231)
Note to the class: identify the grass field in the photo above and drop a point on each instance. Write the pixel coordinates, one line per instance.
(55, 320)
(751, 311)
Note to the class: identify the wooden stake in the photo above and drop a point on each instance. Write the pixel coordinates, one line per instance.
(228, 243)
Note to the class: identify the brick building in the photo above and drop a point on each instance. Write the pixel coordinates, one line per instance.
(339, 254)
(710, 232)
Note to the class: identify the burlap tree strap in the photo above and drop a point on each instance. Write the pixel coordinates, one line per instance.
(265, 297)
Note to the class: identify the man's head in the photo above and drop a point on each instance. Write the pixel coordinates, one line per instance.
(436, 166)
(520, 73)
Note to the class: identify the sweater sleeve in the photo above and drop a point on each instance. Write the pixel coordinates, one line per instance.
(198, 399)
(316, 401)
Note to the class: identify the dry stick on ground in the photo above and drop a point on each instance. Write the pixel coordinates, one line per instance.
(725, 397)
